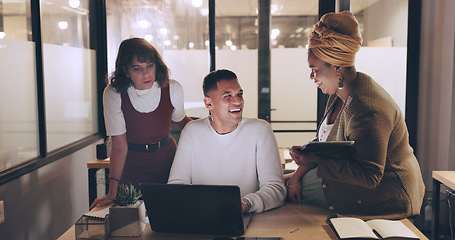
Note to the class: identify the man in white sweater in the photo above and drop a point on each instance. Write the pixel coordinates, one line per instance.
(227, 149)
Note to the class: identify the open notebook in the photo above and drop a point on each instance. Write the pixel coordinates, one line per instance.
(201, 209)
(98, 213)
(356, 228)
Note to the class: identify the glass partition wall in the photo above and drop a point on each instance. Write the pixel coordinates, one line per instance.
(18, 122)
(48, 81)
(236, 37)
(42, 113)
(293, 94)
(177, 28)
(180, 30)
(384, 47)
(69, 72)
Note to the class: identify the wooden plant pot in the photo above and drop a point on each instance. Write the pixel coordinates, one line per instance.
(129, 221)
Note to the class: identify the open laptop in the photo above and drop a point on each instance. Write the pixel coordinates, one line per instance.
(200, 209)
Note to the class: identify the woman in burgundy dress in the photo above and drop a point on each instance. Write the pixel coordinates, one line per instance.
(140, 103)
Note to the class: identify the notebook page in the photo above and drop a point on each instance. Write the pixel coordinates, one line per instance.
(98, 214)
(391, 228)
(347, 227)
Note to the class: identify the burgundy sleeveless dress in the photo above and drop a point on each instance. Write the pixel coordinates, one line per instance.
(143, 128)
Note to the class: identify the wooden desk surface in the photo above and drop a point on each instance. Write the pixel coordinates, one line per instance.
(445, 177)
(292, 221)
(99, 163)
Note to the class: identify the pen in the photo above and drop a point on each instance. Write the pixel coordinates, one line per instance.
(376, 233)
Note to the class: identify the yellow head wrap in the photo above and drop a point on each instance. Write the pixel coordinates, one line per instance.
(336, 39)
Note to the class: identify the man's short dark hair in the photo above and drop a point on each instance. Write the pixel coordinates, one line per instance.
(212, 79)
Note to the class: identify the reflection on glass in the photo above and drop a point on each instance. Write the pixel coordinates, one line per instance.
(65, 23)
(18, 125)
(383, 25)
(69, 72)
(236, 37)
(177, 28)
(383, 52)
(293, 95)
(292, 23)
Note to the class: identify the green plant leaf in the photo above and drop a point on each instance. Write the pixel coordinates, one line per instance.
(126, 195)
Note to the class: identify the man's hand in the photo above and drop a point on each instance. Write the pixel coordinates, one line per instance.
(246, 205)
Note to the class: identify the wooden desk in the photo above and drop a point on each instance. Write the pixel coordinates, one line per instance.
(292, 221)
(93, 166)
(440, 177)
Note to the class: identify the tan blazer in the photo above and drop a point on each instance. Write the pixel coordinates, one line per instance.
(382, 178)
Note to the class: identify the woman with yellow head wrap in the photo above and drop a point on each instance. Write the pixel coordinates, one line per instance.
(381, 177)
(336, 39)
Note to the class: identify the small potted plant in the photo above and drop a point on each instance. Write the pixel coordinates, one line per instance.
(127, 216)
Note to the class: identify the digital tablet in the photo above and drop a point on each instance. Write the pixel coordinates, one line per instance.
(327, 147)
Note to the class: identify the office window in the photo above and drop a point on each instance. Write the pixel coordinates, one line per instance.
(18, 118)
(236, 37)
(384, 48)
(186, 50)
(69, 72)
(293, 94)
(49, 85)
(382, 56)
(179, 31)
(178, 28)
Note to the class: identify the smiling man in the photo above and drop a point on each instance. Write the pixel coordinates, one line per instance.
(227, 149)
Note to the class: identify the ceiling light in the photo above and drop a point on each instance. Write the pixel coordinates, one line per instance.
(191, 45)
(196, 3)
(143, 23)
(275, 9)
(276, 31)
(163, 31)
(63, 25)
(148, 37)
(2, 35)
(74, 3)
(204, 12)
(308, 30)
(229, 43)
(167, 42)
